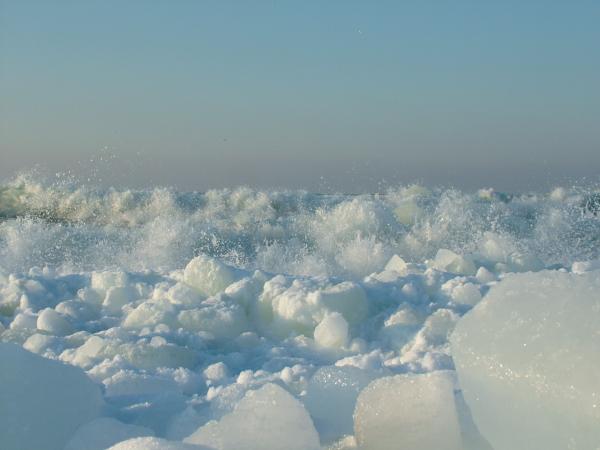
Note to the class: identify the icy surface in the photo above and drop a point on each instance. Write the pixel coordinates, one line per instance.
(180, 307)
(42, 402)
(408, 411)
(528, 361)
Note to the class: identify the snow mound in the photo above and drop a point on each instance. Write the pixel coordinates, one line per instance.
(267, 419)
(528, 362)
(42, 402)
(408, 411)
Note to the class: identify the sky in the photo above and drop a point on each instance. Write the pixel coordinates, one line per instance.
(321, 95)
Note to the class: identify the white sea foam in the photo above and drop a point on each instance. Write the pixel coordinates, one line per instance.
(189, 311)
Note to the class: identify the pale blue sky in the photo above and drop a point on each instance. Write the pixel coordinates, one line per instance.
(336, 95)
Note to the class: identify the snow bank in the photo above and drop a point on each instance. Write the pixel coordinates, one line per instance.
(528, 362)
(42, 402)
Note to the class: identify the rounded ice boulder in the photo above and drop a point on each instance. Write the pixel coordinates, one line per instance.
(53, 323)
(208, 275)
(332, 332)
(268, 419)
(42, 402)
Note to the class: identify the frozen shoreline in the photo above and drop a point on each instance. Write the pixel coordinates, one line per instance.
(192, 313)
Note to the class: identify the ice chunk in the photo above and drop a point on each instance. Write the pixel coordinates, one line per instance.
(284, 309)
(408, 411)
(247, 290)
(466, 294)
(102, 281)
(86, 353)
(216, 372)
(209, 275)
(449, 261)
(151, 313)
(42, 402)
(77, 310)
(433, 336)
(585, 266)
(267, 419)
(347, 298)
(53, 323)
(38, 343)
(397, 264)
(103, 432)
(26, 320)
(331, 397)
(484, 276)
(152, 443)
(223, 319)
(528, 362)
(182, 294)
(401, 326)
(117, 297)
(332, 332)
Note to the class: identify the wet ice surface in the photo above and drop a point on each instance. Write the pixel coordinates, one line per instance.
(529, 362)
(241, 319)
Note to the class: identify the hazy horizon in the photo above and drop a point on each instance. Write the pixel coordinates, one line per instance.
(338, 96)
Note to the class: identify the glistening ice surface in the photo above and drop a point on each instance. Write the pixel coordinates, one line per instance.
(244, 319)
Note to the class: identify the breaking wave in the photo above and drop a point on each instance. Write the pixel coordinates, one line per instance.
(296, 232)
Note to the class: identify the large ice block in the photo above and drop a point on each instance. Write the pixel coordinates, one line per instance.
(528, 361)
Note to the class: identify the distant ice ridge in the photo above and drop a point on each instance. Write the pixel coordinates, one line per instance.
(241, 319)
